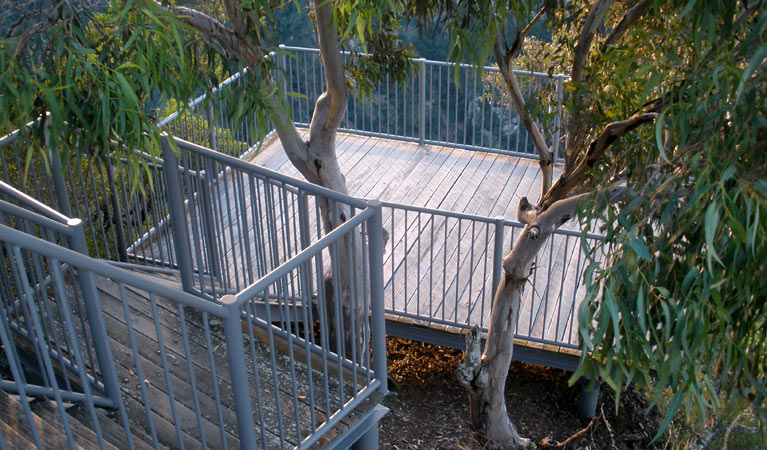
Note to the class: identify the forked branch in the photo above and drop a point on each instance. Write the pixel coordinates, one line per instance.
(612, 132)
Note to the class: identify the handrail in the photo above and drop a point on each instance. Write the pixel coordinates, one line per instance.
(23, 240)
(560, 76)
(202, 97)
(54, 225)
(305, 254)
(263, 171)
(33, 204)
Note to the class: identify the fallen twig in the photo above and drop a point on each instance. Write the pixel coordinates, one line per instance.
(580, 433)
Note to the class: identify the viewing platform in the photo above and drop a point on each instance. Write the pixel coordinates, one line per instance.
(438, 267)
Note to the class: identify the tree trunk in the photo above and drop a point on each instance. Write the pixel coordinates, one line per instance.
(316, 160)
(485, 376)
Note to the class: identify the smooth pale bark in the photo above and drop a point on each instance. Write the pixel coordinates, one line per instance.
(545, 156)
(314, 158)
(317, 162)
(485, 376)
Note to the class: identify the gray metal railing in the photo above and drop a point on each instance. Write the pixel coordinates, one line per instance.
(443, 268)
(445, 104)
(279, 379)
(35, 311)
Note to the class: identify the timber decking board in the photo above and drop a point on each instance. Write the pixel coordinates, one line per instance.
(463, 181)
(163, 317)
(453, 179)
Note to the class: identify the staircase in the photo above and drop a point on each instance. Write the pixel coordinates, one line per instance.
(50, 428)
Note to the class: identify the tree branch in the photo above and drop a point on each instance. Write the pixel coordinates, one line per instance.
(335, 78)
(251, 56)
(612, 132)
(535, 19)
(628, 19)
(593, 21)
(545, 156)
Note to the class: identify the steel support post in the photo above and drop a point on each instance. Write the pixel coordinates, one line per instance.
(378, 319)
(178, 223)
(238, 372)
(117, 214)
(588, 398)
(94, 315)
(59, 184)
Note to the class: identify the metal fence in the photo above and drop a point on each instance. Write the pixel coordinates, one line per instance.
(192, 372)
(446, 104)
(442, 268)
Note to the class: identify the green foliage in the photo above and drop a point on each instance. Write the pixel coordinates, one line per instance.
(95, 77)
(679, 303)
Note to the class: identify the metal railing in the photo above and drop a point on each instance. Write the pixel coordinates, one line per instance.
(444, 103)
(444, 267)
(279, 379)
(34, 308)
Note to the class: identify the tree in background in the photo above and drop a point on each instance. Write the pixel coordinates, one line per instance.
(665, 154)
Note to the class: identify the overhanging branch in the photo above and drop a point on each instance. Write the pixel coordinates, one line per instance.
(626, 21)
(612, 132)
(593, 21)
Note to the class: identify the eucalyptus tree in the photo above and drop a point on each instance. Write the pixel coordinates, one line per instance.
(94, 66)
(665, 154)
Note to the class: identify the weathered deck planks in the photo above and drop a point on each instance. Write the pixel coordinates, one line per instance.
(456, 180)
(200, 368)
(484, 184)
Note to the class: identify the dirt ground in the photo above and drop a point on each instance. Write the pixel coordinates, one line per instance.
(430, 409)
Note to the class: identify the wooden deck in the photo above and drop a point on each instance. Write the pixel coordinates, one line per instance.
(485, 184)
(437, 270)
(441, 268)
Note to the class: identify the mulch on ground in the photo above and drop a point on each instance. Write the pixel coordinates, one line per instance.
(429, 409)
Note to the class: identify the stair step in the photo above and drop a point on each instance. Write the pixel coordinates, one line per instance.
(16, 432)
(111, 428)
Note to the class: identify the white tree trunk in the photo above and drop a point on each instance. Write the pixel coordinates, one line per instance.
(316, 160)
(485, 376)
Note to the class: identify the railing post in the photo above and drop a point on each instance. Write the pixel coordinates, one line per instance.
(207, 222)
(59, 184)
(238, 372)
(178, 223)
(498, 252)
(283, 68)
(378, 319)
(422, 103)
(94, 315)
(117, 219)
(58, 176)
(558, 122)
(210, 114)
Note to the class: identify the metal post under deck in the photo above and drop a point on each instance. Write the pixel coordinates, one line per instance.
(375, 255)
